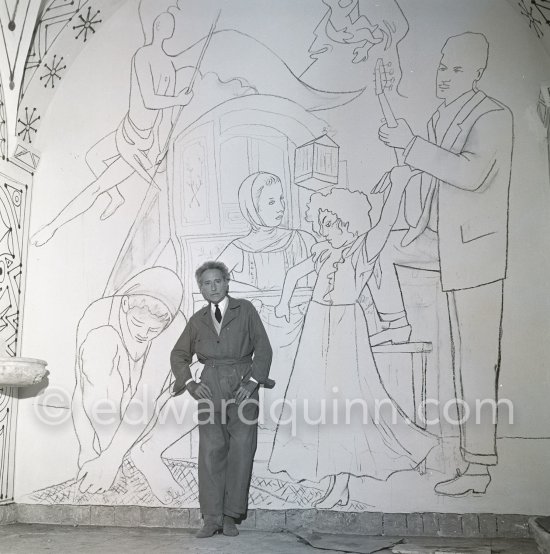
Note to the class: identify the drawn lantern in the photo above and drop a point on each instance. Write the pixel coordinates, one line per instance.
(316, 164)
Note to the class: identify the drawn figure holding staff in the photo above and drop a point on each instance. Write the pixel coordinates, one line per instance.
(139, 143)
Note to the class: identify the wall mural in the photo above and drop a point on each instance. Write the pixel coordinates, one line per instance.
(13, 209)
(61, 29)
(537, 13)
(3, 129)
(15, 19)
(240, 161)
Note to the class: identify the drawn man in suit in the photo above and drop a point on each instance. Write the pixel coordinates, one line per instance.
(457, 210)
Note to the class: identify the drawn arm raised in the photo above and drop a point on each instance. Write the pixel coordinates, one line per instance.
(399, 176)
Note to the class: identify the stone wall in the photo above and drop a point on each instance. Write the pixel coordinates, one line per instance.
(429, 524)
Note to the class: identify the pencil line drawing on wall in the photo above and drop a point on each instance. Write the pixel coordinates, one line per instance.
(363, 210)
(136, 145)
(346, 38)
(27, 124)
(537, 13)
(13, 211)
(53, 71)
(13, 204)
(55, 45)
(10, 27)
(54, 18)
(3, 130)
(466, 160)
(86, 24)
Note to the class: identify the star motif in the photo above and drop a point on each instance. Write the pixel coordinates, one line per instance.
(27, 125)
(537, 14)
(87, 25)
(53, 71)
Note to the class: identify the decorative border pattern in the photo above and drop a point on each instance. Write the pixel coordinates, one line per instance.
(537, 13)
(25, 158)
(13, 207)
(64, 27)
(3, 129)
(57, 15)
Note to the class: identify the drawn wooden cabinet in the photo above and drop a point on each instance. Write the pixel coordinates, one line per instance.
(198, 215)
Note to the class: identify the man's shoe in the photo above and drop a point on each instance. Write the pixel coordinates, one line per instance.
(212, 526)
(391, 335)
(229, 527)
(463, 484)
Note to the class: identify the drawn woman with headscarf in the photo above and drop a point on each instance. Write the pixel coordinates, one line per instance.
(260, 260)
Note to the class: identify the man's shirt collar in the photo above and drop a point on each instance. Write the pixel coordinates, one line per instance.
(223, 305)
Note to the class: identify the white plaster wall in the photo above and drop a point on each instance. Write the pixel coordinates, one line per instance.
(71, 271)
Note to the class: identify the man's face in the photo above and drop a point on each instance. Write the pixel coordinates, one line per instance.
(213, 286)
(455, 75)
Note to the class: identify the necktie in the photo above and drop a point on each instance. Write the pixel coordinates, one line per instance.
(218, 314)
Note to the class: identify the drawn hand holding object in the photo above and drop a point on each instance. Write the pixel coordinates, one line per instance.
(398, 136)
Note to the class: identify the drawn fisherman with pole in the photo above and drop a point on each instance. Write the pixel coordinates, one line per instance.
(138, 144)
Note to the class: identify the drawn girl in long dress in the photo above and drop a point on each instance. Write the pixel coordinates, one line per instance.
(260, 261)
(334, 371)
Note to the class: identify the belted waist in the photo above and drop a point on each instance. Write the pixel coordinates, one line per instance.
(227, 361)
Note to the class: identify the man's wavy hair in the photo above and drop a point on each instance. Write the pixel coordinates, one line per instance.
(351, 208)
(212, 264)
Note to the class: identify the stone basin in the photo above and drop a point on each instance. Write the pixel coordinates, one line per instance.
(21, 372)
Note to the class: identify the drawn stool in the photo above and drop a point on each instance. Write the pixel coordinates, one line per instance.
(419, 363)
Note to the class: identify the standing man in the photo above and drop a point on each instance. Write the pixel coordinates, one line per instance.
(457, 210)
(229, 338)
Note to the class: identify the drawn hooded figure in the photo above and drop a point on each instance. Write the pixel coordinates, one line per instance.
(114, 337)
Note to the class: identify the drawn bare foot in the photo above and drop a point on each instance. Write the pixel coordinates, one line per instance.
(116, 200)
(43, 235)
(158, 476)
(337, 493)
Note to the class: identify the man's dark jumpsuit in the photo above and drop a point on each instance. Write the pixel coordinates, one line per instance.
(226, 447)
